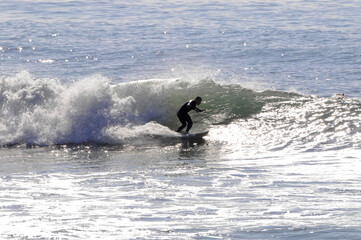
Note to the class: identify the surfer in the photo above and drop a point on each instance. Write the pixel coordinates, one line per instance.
(183, 115)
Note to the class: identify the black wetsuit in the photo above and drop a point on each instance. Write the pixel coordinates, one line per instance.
(183, 115)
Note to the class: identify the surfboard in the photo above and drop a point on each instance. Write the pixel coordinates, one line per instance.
(194, 135)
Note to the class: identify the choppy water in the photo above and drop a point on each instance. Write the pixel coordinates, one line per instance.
(88, 96)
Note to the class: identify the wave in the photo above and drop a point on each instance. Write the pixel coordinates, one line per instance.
(296, 123)
(46, 111)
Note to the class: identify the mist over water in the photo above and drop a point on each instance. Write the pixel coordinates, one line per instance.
(88, 98)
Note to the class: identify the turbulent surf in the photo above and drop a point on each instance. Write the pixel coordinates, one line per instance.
(45, 112)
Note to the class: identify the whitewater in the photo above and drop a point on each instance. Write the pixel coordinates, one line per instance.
(89, 92)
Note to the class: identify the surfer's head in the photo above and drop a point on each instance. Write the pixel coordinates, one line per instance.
(198, 100)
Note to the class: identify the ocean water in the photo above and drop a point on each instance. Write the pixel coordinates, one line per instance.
(89, 92)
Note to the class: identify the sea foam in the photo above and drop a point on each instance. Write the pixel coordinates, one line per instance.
(46, 111)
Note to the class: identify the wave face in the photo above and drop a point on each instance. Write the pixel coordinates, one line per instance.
(46, 112)
(294, 122)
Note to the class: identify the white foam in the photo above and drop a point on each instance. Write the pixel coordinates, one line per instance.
(45, 111)
(129, 132)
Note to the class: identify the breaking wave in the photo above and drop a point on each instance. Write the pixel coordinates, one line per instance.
(46, 111)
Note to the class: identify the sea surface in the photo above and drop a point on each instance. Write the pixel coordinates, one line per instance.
(89, 92)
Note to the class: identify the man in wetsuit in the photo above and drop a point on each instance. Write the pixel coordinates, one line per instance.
(183, 115)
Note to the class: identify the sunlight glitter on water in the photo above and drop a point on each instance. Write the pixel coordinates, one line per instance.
(283, 195)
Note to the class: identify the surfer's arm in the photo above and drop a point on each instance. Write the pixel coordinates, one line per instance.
(198, 110)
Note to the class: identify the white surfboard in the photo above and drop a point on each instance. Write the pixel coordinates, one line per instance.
(194, 135)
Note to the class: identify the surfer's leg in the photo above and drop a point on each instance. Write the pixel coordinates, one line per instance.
(181, 128)
(182, 119)
(190, 123)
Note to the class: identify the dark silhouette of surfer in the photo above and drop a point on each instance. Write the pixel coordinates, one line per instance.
(183, 115)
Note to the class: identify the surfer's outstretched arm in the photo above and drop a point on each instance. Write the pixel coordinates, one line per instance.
(198, 110)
